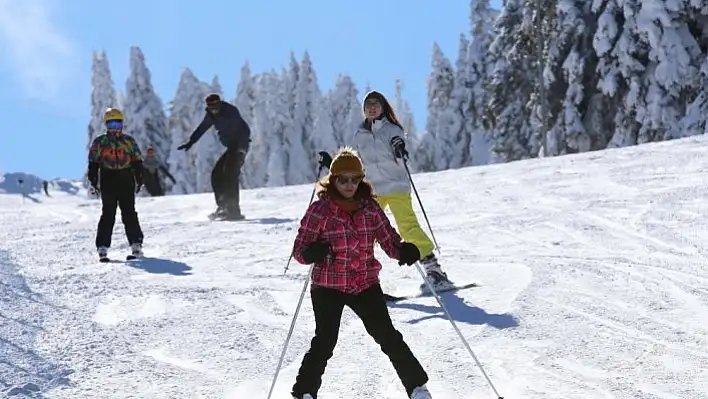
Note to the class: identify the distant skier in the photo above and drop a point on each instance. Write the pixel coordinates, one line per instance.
(45, 185)
(152, 178)
(379, 141)
(115, 161)
(235, 134)
(337, 234)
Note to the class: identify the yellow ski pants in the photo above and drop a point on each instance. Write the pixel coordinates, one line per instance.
(401, 206)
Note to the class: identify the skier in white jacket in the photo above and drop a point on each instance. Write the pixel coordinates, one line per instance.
(380, 143)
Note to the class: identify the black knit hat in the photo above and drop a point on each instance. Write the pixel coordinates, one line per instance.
(213, 99)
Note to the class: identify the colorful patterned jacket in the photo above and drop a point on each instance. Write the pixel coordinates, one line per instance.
(350, 267)
(114, 152)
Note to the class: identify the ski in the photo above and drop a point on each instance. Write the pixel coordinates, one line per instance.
(214, 218)
(393, 298)
(109, 260)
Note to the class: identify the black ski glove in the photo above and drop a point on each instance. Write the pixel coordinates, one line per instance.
(399, 147)
(408, 254)
(316, 252)
(138, 174)
(324, 159)
(186, 146)
(92, 174)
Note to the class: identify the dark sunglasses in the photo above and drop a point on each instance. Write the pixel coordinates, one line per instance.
(349, 179)
(114, 124)
(373, 103)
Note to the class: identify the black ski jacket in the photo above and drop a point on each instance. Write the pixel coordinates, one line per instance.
(233, 130)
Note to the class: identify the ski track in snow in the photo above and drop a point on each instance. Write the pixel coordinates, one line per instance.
(593, 285)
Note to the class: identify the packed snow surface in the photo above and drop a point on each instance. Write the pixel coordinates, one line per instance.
(592, 271)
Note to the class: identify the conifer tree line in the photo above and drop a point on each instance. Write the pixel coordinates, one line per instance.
(291, 119)
(614, 73)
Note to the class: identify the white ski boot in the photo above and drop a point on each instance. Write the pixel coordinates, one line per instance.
(103, 254)
(421, 392)
(136, 251)
(434, 274)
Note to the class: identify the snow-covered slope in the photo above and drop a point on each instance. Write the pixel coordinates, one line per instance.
(593, 274)
(30, 185)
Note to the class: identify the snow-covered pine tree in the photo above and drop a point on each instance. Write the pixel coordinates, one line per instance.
(120, 99)
(479, 69)
(695, 121)
(186, 112)
(290, 81)
(673, 32)
(103, 95)
(405, 116)
(144, 112)
(437, 145)
(345, 110)
(263, 130)
(512, 85)
(301, 161)
(323, 133)
(280, 116)
(245, 101)
(208, 148)
(576, 110)
(650, 62)
(456, 112)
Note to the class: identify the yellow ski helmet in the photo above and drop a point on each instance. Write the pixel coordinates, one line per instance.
(112, 114)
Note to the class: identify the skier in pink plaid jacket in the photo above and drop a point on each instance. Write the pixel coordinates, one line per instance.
(338, 234)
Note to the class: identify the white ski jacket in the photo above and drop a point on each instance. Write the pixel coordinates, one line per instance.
(384, 171)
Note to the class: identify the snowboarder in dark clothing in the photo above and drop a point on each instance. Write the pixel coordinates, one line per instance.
(115, 171)
(151, 177)
(45, 185)
(235, 134)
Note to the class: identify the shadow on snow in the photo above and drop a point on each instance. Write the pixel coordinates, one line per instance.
(459, 311)
(161, 266)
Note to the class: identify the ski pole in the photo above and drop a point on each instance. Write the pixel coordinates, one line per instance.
(425, 215)
(290, 332)
(457, 330)
(312, 196)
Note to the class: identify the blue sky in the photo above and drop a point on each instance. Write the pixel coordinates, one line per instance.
(45, 56)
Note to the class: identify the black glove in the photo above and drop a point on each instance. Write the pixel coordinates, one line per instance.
(92, 174)
(138, 176)
(408, 254)
(186, 146)
(316, 252)
(399, 147)
(324, 159)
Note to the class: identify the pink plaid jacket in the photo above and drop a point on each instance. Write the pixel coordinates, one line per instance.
(350, 267)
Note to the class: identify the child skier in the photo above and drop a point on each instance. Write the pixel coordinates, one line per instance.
(115, 171)
(337, 234)
(152, 178)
